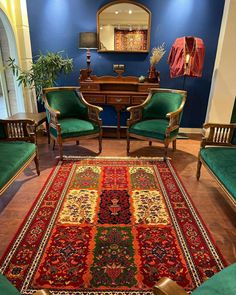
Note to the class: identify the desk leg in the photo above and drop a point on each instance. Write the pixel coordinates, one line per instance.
(118, 110)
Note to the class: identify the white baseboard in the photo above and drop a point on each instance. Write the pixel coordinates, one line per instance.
(191, 130)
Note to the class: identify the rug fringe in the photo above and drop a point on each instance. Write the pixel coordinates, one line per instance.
(116, 158)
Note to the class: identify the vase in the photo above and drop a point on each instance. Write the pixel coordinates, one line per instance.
(153, 75)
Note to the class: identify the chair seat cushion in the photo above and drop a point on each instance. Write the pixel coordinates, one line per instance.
(222, 162)
(155, 128)
(73, 127)
(14, 154)
(222, 283)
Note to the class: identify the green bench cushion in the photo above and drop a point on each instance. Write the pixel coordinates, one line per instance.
(6, 288)
(155, 128)
(222, 162)
(222, 283)
(73, 127)
(13, 156)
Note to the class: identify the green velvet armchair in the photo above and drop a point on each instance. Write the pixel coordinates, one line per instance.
(157, 118)
(222, 283)
(70, 117)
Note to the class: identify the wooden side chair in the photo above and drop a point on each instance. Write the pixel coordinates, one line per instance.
(157, 118)
(70, 116)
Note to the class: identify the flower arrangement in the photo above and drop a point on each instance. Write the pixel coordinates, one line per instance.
(157, 53)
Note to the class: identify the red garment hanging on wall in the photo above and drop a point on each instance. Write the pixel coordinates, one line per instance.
(186, 57)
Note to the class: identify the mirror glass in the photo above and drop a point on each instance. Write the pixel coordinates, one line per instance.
(123, 27)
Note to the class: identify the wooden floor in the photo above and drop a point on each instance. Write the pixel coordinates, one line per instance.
(206, 195)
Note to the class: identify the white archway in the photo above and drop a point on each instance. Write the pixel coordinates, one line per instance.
(11, 85)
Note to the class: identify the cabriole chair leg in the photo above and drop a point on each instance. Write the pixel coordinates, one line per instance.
(128, 144)
(174, 145)
(199, 165)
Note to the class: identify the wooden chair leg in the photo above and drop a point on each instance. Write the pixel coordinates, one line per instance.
(174, 145)
(128, 143)
(54, 142)
(100, 142)
(60, 149)
(199, 165)
(36, 161)
(166, 150)
(150, 143)
(166, 286)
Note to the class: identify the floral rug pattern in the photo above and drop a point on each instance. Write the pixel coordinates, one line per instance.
(111, 225)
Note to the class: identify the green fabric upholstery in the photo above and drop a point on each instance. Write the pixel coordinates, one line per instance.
(6, 288)
(152, 128)
(68, 103)
(2, 131)
(161, 104)
(234, 137)
(222, 283)
(222, 162)
(72, 127)
(13, 156)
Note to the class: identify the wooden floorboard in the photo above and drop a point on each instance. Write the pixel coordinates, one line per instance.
(206, 194)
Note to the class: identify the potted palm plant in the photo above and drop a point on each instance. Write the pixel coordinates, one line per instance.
(43, 72)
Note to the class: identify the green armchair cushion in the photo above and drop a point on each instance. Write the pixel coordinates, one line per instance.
(13, 155)
(68, 103)
(222, 162)
(161, 104)
(152, 128)
(73, 127)
(6, 288)
(222, 283)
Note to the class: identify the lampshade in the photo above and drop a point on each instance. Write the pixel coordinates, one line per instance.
(88, 40)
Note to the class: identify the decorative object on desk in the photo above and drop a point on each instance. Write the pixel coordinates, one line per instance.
(119, 69)
(111, 226)
(43, 71)
(157, 54)
(88, 40)
(141, 79)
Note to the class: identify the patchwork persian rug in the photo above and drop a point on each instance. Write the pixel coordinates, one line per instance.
(111, 226)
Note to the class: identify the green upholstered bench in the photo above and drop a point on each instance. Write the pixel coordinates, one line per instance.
(222, 283)
(6, 288)
(17, 150)
(218, 155)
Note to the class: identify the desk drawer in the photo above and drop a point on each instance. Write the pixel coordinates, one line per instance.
(147, 86)
(118, 99)
(138, 99)
(94, 98)
(89, 86)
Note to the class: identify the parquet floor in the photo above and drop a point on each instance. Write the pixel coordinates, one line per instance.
(206, 194)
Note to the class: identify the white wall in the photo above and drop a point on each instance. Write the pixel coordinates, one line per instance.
(223, 89)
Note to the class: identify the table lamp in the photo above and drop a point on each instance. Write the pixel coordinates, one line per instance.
(88, 40)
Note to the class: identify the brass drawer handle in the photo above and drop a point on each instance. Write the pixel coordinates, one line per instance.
(118, 99)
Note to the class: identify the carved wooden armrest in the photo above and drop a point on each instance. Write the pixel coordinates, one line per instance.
(19, 130)
(135, 114)
(218, 134)
(94, 113)
(166, 286)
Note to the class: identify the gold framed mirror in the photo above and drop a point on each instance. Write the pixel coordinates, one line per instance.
(123, 26)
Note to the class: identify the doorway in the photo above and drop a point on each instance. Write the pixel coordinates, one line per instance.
(11, 97)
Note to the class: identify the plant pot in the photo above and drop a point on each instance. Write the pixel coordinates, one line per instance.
(153, 75)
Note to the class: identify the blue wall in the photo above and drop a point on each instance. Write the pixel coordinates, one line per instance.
(55, 24)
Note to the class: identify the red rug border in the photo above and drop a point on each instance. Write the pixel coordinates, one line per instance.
(199, 216)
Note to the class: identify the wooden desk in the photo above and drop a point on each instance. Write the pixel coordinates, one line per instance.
(119, 92)
(38, 118)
